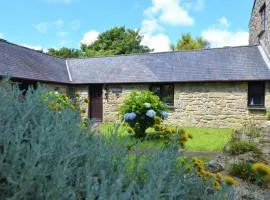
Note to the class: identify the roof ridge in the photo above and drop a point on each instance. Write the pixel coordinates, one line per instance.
(165, 52)
(37, 51)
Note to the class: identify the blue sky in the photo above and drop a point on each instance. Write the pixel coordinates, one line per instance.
(56, 23)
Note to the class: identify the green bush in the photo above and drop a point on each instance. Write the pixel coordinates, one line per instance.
(140, 109)
(45, 154)
(60, 101)
(241, 147)
(168, 134)
(244, 171)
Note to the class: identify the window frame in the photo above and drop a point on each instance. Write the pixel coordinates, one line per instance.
(162, 88)
(263, 17)
(254, 84)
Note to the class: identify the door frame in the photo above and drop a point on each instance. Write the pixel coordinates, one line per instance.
(90, 100)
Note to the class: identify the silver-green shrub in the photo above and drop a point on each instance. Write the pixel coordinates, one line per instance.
(46, 154)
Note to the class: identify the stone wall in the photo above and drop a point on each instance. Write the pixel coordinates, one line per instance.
(57, 87)
(113, 98)
(255, 26)
(83, 90)
(222, 105)
(219, 105)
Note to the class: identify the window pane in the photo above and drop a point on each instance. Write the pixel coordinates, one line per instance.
(156, 89)
(256, 93)
(168, 94)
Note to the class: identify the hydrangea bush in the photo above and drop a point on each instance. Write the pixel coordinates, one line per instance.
(44, 154)
(140, 109)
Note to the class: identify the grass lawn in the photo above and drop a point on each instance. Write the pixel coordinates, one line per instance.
(204, 139)
(208, 139)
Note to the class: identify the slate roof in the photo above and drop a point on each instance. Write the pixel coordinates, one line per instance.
(221, 64)
(20, 62)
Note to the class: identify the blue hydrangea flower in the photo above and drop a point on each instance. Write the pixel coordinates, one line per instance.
(147, 105)
(130, 116)
(164, 115)
(151, 113)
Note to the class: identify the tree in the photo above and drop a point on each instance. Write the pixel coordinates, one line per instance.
(65, 52)
(116, 41)
(187, 42)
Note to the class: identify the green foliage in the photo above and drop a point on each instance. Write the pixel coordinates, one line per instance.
(65, 52)
(243, 140)
(115, 41)
(187, 42)
(241, 147)
(139, 103)
(257, 173)
(244, 171)
(60, 101)
(168, 134)
(46, 155)
(268, 115)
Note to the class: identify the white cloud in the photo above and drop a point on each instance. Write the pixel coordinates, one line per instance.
(169, 12)
(62, 37)
(60, 1)
(219, 35)
(58, 23)
(150, 26)
(75, 25)
(224, 22)
(35, 47)
(42, 27)
(159, 42)
(90, 37)
(2, 36)
(199, 5)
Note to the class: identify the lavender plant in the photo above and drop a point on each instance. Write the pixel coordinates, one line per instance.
(44, 154)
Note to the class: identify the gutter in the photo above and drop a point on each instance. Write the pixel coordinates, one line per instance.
(69, 75)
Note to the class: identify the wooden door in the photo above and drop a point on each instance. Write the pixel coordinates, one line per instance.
(96, 103)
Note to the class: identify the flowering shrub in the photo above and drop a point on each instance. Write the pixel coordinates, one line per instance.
(263, 171)
(216, 179)
(60, 101)
(167, 133)
(140, 109)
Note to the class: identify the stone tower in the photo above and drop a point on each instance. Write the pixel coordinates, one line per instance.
(259, 25)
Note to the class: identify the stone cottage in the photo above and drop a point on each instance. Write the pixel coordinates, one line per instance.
(220, 87)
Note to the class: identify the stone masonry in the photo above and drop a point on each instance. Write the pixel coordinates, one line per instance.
(222, 105)
(256, 36)
(112, 100)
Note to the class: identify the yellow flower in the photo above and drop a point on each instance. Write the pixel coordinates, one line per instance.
(229, 181)
(83, 110)
(86, 100)
(77, 94)
(261, 169)
(217, 185)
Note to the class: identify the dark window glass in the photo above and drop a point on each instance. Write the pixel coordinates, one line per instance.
(256, 94)
(25, 86)
(263, 17)
(165, 93)
(71, 92)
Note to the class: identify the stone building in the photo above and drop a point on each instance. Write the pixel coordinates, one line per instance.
(220, 87)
